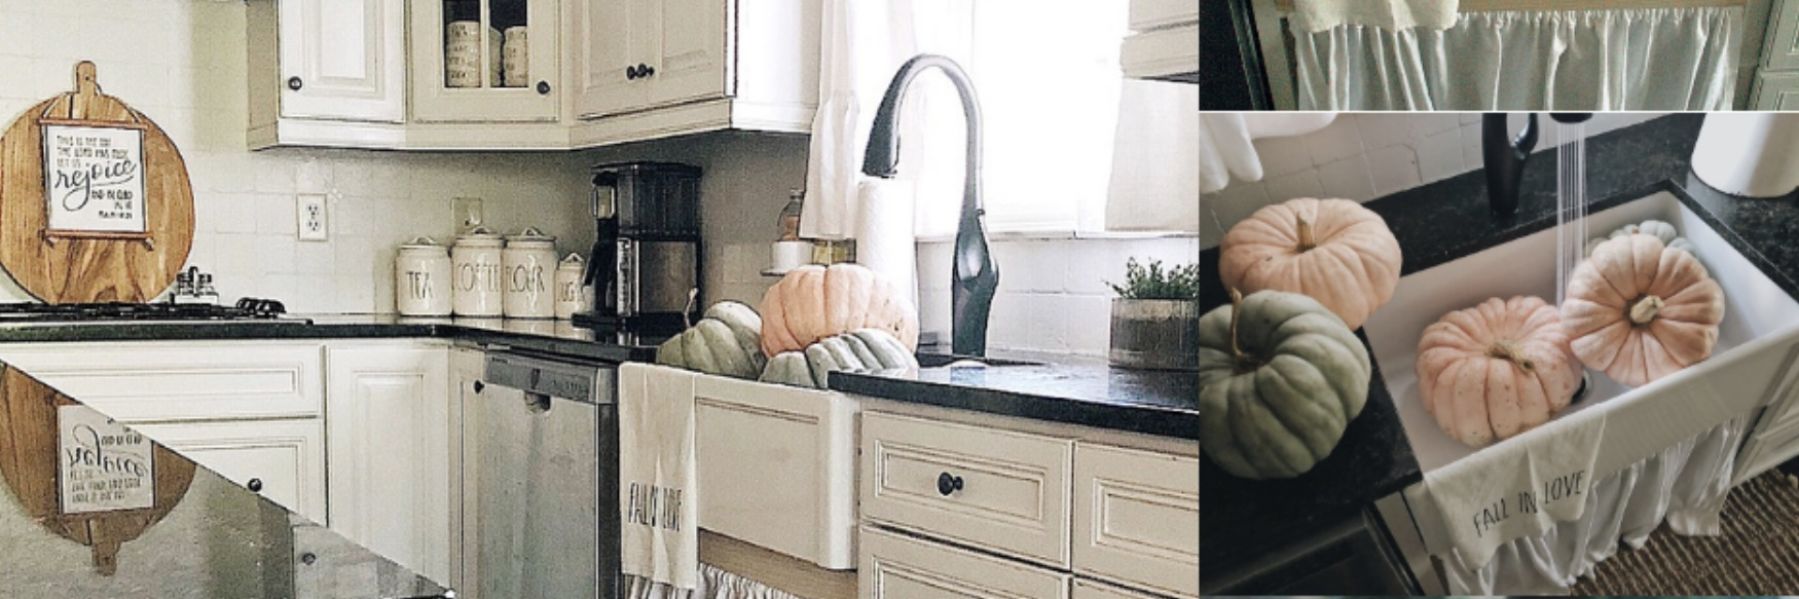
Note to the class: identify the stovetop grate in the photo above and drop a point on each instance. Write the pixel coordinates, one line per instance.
(30, 312)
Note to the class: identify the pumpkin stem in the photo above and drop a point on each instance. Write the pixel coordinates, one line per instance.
(1507, 349)
(1644, 309)
(1306, 242)
(1244, 362)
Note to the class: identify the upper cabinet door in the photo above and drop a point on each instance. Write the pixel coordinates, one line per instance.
(343, 59)
(690, 61)
(614, 37)
(485, 60)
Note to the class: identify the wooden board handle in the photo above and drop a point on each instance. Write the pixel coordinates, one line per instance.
(87, 89)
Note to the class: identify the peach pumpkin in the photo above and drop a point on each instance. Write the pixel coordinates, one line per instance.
(1497, 369)
(1334, 250)
(1639, 311)
(814, 302)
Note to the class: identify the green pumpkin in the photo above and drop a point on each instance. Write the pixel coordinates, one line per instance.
(726, 341)
(861, 350)
(1660, 230)
(1280, 378)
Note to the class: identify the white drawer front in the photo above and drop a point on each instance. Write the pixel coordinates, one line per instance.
(895, 566)
(1136, 518)
(284, 458)
(1013, 496)
(1087, 589)
(153, 381)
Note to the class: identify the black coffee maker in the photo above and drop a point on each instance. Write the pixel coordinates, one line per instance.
(645, 263)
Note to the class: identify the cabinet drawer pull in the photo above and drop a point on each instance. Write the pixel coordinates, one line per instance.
(309, 558)
(255, 485)
(294, 83)
(480, 386)
(644, 70)
(631, 72)
(948, 484)
(543, 88)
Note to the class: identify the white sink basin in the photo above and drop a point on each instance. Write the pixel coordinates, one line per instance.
(1760, 321)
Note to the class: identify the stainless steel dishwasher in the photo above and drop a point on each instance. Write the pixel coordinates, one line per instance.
(540, 480)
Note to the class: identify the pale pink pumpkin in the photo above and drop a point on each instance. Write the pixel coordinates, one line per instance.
(1639, 311)
(814, 302)
(1497, 369)
(1334, 250)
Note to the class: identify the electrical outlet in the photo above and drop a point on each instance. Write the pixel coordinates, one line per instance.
(467, 212)
(312, 216)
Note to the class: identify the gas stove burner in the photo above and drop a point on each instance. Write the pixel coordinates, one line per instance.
(247, 309)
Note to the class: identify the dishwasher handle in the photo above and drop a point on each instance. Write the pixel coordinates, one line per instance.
(578, 381)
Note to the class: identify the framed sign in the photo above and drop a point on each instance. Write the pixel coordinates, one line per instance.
(94, 179)
(103, 466)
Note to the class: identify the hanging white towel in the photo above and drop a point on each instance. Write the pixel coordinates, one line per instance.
(1319, 15)
(1519, 487)
(657, 480)
(1224, 150)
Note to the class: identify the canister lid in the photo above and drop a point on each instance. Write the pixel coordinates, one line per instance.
(530, 236)
(480, 236)
(573, 262)
(423, 244)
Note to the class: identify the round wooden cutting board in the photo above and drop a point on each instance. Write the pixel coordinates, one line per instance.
(62, 270)
(29, 458)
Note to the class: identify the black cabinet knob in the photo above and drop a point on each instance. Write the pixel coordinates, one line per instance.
(947, 484)
(631, 72)
(255, 484)
(309, 558)
(543, 87)
(294, 83)
(480, 386)
(644, 70)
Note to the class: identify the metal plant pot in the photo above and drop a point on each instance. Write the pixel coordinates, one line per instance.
(1155, 334)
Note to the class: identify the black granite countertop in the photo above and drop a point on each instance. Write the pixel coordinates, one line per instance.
(1071, 390)
(214, 539)
(557, 337)
(1437, 223)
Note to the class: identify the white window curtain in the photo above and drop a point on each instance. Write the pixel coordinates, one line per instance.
(1619, 59)
(1052, 95)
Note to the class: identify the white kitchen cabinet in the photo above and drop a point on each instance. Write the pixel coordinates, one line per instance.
(654, 68)
(640, 54)
(283, 460)
(247, 410)
(964, 504)
(388, 421)
(1136, 518)
(533, 94)
(342, 59)
(1776, 91)
(1164, 43)
(896, 566)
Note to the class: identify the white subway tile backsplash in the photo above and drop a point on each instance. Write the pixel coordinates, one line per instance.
(1336, 141)
(1361, 156)
(1347, 178)
(1392, 169)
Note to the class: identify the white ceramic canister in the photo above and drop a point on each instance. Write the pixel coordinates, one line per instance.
(462, 54)
(573, 296)
(422, 279)
(476, 261)
(515, 54)
(529, 267)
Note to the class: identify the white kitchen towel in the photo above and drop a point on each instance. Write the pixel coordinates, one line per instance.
(1225, 150)
(657, 479)
(884, 240)
(1518, 487)
(1319, 15)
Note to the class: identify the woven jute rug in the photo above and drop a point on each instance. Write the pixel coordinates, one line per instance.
(1758, 554)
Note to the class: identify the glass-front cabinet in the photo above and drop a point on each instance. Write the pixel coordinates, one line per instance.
(484, 60)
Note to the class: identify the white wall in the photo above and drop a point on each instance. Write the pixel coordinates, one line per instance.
(1362, 156)
(182, 62)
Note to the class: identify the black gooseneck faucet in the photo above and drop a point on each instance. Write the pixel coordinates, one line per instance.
(974, 276)
(1504, 159)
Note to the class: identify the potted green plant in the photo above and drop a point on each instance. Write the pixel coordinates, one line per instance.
(1155, 318)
